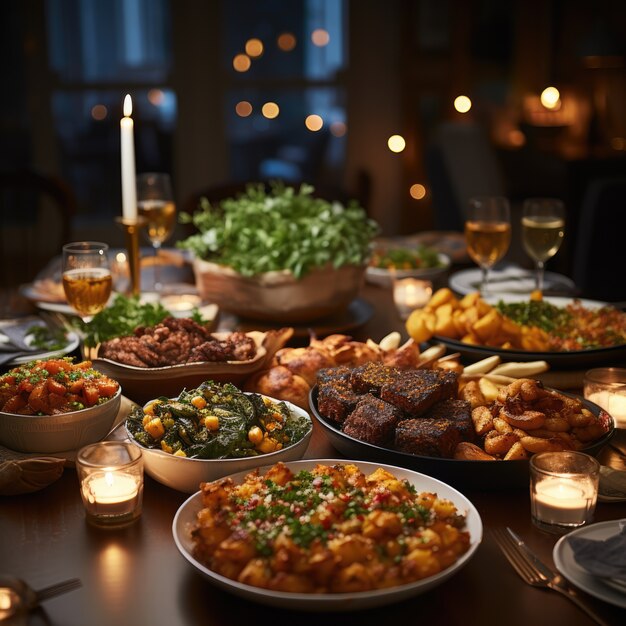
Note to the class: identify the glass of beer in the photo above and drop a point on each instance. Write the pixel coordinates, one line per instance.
(543, 227)
(487, 233)
(87, 278)
(155, 202)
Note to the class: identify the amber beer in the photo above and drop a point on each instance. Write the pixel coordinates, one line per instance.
(487, 242)
(87, 289)
(161, 218)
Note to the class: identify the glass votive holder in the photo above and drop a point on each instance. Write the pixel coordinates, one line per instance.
(563, 490)
(181, 304)
(111, 482)
(410, 294)
(606, 387)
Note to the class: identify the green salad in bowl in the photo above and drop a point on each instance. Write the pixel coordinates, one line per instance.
(280, 254)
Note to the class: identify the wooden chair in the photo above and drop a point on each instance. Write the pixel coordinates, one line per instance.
(35, 215)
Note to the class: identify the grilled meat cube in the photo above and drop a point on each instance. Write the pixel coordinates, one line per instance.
(370, 377)
(427, 437)
(373, 420)
(459, 412)
(335, 398)
(416, 391)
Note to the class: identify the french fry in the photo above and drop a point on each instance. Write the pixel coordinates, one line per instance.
(483, 366)
(467, 451)
(520, 370)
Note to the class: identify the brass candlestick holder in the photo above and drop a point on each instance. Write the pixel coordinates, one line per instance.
(131, 230)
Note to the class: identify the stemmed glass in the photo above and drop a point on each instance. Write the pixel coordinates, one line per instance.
(487, 233)
(155, 203)
(87, 280)
(543, 227)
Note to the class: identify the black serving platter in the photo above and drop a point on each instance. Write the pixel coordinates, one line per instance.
(575, 359)
(464, 475)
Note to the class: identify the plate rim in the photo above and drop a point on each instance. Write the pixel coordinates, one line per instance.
(337, 601)
(563, 557)
(73, 341)
(454, 279)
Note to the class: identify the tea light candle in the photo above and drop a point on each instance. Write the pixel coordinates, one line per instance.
(606, 387)
(111, 493)
(563, 489)
(560, 501)
(410, 294)
(181, 305)
(111, 482)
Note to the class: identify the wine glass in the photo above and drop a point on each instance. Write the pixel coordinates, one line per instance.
(87, 280)
(543, 227)
(487, 233)
(155, 203)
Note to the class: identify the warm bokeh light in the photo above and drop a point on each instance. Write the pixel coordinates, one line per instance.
(156, 97)
(618, 143)
(99, 112)
(286, 42)
(396, 143)
(550, 98)
(417, 191)
(338, 129)
(242, 63)
(254, 47)
(462, 104)
(314, 122)
(517, 138)
(270, 110)
(320, 37)
(243, 108)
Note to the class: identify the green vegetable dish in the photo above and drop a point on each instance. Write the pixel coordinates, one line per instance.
(217, 421)
(283, 229)
(405, 259)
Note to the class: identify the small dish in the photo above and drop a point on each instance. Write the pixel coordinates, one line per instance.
(385, 277)
(186, 515)
(185, 474)
(141, 383)
(62, 432)
(565, 562)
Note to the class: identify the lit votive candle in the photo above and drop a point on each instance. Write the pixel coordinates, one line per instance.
(410, 294)
(111, 482)
(606, 387)
(563, 489)
(181, 305)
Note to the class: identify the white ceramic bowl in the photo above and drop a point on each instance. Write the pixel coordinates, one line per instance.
(384, 277)
(185, 474)
(59, 433)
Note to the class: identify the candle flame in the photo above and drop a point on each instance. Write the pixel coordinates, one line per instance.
(128, 106)
(108, 477)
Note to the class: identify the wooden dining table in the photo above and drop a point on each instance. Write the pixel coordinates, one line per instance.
(135, 575)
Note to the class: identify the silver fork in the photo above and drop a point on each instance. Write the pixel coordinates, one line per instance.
(536, 573)
(17, 595)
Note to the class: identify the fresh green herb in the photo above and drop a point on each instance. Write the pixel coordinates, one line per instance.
(405, 258)
(285, 229)
(121, 318)
(47, 338)
(542, 314)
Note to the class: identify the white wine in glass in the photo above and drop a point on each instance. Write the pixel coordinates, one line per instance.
(543, 228)
(155, 202)
(487, 233)
(87, 280)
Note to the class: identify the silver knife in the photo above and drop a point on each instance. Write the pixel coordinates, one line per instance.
(554, 580)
